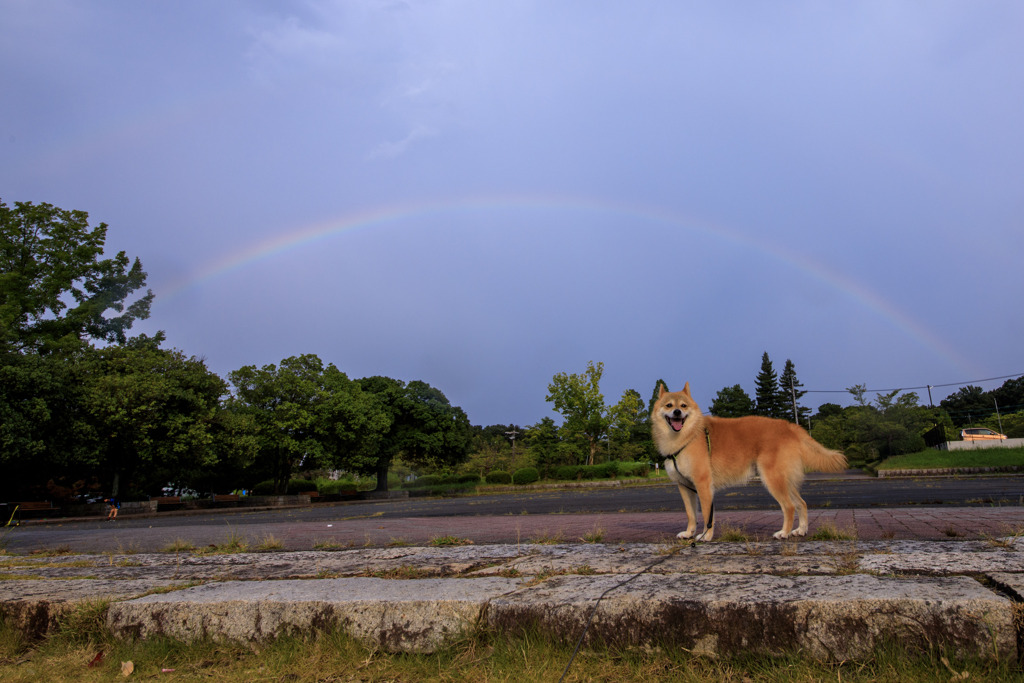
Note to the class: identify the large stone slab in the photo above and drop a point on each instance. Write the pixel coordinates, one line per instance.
(835, 617)
(396, 615)
(35, 606)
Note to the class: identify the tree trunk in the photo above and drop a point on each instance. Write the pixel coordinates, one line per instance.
(382, 476)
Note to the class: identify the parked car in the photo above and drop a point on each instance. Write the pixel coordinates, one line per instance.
(980, 434)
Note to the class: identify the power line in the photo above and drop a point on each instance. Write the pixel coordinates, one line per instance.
(926, 386)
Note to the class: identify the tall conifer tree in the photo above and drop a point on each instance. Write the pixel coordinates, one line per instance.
(767, 390)
(790, 393)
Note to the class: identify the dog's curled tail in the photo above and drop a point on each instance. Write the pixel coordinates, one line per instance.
(820, 459)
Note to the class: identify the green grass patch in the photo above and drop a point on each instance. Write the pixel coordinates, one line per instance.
(334, 656)
(932, 459)
(447, 541)
(827, 531)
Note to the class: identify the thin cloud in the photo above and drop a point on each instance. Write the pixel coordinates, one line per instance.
(394, 149)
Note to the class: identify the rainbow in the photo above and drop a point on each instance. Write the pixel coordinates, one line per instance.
(307, 235)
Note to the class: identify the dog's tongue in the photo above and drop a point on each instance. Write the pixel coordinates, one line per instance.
(676, 423)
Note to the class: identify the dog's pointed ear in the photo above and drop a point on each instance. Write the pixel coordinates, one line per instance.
(662, 390)
(686, 388)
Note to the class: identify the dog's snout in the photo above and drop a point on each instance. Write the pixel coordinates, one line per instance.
(677, 413)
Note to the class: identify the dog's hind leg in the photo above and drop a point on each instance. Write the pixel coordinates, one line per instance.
(801, 510)
(779, 486)
(690, 503)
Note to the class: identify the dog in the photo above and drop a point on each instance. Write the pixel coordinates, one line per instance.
(703, 454)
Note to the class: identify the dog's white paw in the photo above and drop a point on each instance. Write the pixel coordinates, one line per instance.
(684, 534)
(707, 535)
(781, 536)
(799, 531)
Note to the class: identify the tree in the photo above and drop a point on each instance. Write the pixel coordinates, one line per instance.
(732, 402)
(303, 410)
(654, 395)
(423, 427)
(150, 413)
(55, 291)
(767, 390)
(629, 427)
(968, 405)
(545, 445)
(43, 432)
(790, 393)
(578, 398)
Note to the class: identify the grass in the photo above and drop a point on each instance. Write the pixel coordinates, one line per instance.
(827, 531)
(180, 545)
(547, 538)
(235, 543)
(595, 535)
(728, 533)
(269, 543)
(933, 459)
(448, 541)
(334, 656)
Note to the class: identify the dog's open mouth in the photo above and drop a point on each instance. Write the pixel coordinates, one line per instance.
(675, 422)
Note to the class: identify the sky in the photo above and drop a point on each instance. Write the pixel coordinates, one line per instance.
(482, 194)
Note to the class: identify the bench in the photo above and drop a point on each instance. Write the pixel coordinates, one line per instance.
(28, 508)
(313, 495)
(166, 502)
(36, 505)
(225, 500)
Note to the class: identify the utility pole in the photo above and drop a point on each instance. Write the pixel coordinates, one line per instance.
(792, 391)
(930, 404)
(999, 417)
(512, 435)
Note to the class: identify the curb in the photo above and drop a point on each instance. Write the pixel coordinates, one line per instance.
(833, 600)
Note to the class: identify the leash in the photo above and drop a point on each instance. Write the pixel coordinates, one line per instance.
(687, 484)
(652, 565)
(593, 610)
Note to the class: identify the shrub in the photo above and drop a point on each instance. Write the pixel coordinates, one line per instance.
(296, 486)
(426, 480)
(525, 475)
(572, 472)
(634, 469)
(499, 477)
(331, 486)
(467, 478)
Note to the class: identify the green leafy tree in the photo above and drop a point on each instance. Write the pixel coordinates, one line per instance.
(629, 434)
(732, 402)
(55, 290)
(544, 443)
(1010, 396)
(305, 411)
(43, 431)
(496, 447)
(150, 412)
(424, 428)
(766, 390)
(578, 398)
(790, 394)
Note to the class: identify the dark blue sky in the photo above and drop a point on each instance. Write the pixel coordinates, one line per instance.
(483, 194)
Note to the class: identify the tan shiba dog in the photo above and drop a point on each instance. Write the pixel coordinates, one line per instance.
(703, 454)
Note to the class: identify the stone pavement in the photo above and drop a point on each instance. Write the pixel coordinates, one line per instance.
(946, 577)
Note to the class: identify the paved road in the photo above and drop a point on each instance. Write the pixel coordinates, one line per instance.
(931, 508)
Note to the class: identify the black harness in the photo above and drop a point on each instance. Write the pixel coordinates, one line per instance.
(687, 484)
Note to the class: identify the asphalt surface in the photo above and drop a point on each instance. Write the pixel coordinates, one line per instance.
(861, 506)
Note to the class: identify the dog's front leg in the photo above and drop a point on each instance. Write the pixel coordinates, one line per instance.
(690, 503)
(707, 510)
